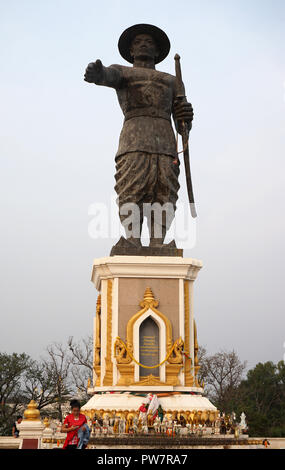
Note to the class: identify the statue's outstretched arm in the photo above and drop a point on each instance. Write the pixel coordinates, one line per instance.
(106, 76)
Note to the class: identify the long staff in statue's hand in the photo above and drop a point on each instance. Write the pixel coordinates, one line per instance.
(185, 137)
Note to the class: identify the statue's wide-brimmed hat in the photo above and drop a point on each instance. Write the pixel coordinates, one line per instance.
(161, 39)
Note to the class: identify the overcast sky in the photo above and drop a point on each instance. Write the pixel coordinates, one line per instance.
(59, 136)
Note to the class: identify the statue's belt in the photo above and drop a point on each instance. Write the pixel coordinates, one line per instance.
(147, 112)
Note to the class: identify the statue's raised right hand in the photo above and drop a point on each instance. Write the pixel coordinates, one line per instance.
(94, 72)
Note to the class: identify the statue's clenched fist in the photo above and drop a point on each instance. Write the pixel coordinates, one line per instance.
(183, 112)
(94, 72)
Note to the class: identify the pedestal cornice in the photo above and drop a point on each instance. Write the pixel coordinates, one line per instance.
(144, 267)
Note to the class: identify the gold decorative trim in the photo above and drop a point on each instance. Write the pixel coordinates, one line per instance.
(123, 353)
(120, 352)
(97, 351)
(126, 374)
(150, 380)
(98, 376)
(177, 355)
(188, 374)
(147, 303)
(196, 346)
(108, 379)
(172, 372)
(196, 359)
(191, 416)
(97, 345)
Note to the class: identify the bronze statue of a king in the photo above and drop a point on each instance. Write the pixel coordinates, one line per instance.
(147, 167)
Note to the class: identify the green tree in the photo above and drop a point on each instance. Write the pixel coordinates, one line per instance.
(13, 368)
(262, 397)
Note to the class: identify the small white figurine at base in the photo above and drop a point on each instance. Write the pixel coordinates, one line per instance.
(242, 424)
(157, 424)
(122, 426)
(163, 426)
(97, 428)
(144, 429)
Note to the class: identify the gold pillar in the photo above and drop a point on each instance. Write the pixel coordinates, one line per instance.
(97, 346)
(108, 378)
(188, 374)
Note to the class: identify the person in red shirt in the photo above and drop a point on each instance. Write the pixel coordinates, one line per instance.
(74, 421)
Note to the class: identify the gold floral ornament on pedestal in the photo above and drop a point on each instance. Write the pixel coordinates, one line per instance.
(32, 413)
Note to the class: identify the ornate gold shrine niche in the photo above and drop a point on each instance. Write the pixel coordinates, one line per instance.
(144, 331)
(149, 351)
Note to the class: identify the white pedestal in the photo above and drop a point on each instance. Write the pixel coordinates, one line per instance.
(30, 430)
(133, 289)
(123, 282)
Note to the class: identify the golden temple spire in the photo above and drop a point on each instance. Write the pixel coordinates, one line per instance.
(32, 413)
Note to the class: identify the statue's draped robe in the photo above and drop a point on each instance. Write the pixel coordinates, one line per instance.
(145, 166)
